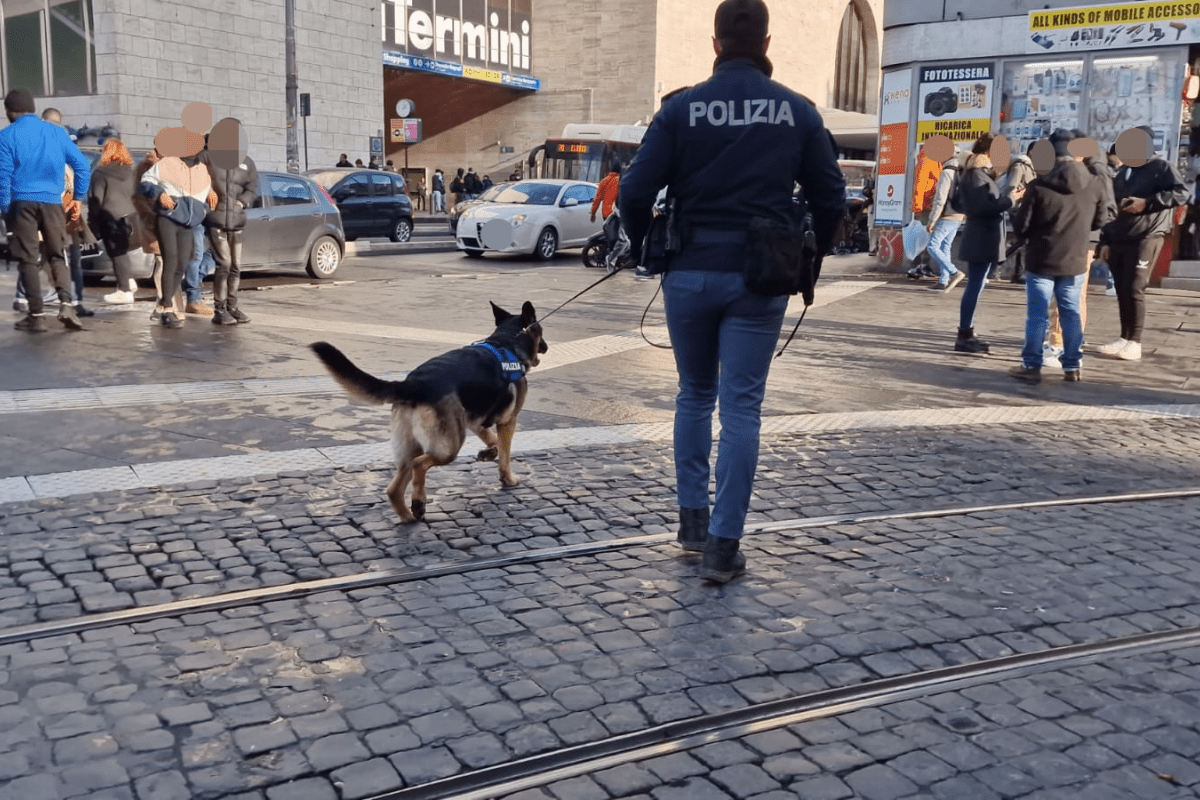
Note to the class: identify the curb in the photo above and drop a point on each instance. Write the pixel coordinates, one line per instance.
(354, 249)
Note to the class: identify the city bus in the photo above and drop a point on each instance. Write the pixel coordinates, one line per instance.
(585, 152)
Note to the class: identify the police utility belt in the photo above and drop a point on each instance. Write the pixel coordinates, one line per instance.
(780, 258)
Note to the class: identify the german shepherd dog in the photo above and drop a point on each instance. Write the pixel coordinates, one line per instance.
(474, 388)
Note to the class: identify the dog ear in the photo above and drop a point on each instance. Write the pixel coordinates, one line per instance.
(499, 313)
(528, 315)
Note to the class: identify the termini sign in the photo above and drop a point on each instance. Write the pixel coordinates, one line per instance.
(491, 35)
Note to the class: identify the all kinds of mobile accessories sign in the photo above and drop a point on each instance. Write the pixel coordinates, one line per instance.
(1111, 27)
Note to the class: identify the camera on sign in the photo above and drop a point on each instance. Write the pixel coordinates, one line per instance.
(943, 101)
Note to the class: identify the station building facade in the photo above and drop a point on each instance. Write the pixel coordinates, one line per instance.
(1023, 68)
(485, 81)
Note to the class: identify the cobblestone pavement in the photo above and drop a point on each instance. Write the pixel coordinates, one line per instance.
(341, 695)
(344, 694)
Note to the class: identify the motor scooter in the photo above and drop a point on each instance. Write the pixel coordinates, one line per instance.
(609, 247)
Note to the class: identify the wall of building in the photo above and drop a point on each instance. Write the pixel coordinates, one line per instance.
(595, 59)
(804, 38)
(914, 12)
(153, 57)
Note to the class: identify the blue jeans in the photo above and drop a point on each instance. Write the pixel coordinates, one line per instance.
(1039, 289)
(724, 337)
(940, 242)
(197, 268)
(976, 279)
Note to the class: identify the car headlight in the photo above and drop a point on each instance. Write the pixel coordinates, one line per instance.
(519, 218)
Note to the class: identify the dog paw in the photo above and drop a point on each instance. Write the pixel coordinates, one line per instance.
(509, 481)
(418, 508)
(490, 454)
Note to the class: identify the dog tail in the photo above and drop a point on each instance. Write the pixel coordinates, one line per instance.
(354, 380)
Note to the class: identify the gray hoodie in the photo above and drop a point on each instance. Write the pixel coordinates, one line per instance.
(942, 208)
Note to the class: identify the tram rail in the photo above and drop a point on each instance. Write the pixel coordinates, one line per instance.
(250, 597)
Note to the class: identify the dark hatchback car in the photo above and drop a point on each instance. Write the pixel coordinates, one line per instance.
(294, 223)
(372, 202)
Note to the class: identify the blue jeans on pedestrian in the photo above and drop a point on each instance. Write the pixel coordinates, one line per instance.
(1039, 289)
(724, 337)
(976, 279)
(940, 243)
(193, 274)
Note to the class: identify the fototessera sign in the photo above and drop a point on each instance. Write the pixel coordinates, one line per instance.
(493, 35)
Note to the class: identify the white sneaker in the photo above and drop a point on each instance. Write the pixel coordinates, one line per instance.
(1050, 356)
(119, 297)
(1111, 291)
(1132, 351)
(132, 286)
(1113, 348)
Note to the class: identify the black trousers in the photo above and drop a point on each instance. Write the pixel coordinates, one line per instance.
(176, 243)
(1131, 264)
(118, 237)
(227, 249)
(25, 221)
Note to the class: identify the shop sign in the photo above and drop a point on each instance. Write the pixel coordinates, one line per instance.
(1111, 27)
(488, 34)
(431, 65)
(406, 131)
(955, 100)
(891, 187)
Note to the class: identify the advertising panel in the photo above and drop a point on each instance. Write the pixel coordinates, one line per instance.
(406, 131)
(955, 100)
(1109, 27)
(895, 108)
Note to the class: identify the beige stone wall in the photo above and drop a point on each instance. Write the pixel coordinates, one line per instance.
(155, 56)
(804, 37)
(595, 59)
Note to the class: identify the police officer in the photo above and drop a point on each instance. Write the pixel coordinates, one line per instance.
(730, 150)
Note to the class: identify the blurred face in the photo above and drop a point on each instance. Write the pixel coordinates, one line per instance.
(228, 144)
(939, 148)
(1134, 147)
(1042, 156)
(1001, 156)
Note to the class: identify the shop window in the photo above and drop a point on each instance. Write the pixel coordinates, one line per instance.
(850, 71)
(1136, 90)
(1037, 98)
(48, 47)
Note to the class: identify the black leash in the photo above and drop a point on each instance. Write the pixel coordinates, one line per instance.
(581, 294)
(793, 336)
(646, 313)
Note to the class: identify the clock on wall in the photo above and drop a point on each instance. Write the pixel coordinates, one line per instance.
(404, 108)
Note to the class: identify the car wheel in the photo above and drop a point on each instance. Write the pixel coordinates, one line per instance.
(401, 230)
(324, 258)
(547, 244)
(474, 253)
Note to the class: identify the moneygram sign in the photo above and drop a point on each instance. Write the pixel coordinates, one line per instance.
(489, 40)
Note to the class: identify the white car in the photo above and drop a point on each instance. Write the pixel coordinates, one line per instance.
(534, 216)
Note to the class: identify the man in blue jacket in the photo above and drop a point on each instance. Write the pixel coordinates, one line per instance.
(33, 159)
(731, 150)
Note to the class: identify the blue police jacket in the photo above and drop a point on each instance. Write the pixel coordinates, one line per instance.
(732, 149)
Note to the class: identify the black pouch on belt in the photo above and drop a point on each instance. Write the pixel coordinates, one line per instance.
(779, 258)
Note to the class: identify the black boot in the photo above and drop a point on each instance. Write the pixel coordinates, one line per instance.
(722, 561)
(693, 529)
(967, 343)
(221, 315)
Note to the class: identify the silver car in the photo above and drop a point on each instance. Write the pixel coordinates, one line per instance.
(294, 223)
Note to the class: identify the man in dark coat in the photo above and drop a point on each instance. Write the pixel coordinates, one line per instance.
(1056, 218)
(1147, 190)
(235, 180)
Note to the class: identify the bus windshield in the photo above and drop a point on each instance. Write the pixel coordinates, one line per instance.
(575, 161)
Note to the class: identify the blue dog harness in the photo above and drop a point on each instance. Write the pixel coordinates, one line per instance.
(510, 365)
